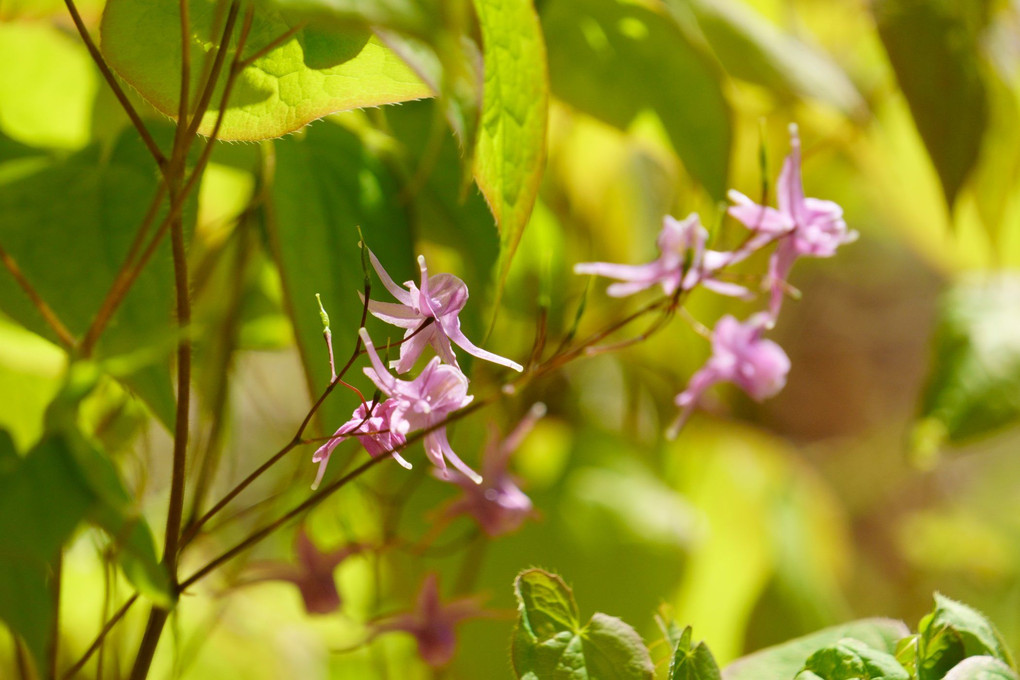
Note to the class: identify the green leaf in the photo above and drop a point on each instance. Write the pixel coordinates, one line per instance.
(103, 197)
(951, 633)
(981, 668)
(320, 69)
(549, 642)
(42, 500)
(510, 154)
(692, 662)
(752, 48)
(598, 46)
(933, 46)
(326, 185)
(546, 604)
(973, 386)
(851, 659)
(785, 660)
(47, 99)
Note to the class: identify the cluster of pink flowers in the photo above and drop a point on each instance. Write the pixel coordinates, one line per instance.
(800, 227)
(429, 315)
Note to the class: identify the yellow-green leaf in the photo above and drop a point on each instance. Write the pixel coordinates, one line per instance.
(318, 70)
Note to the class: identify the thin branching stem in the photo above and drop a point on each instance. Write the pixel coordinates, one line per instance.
(98, 642)
(118, 91)
(47, 313)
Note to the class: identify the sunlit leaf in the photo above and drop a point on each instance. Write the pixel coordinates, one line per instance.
(934, 49)
(851, 659)
(510, 156)
(974, 383)
(47, 99)
(549, 641)
(692, 662)
(751, 48)
(785, 660)
(318, 70)
(981, 668)
(950, 634)
(596, 50)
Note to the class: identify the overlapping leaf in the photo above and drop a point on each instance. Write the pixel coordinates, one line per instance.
(319, 69)
(550, 641)
(615, 60)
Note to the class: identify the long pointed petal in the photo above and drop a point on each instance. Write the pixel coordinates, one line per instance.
(381, 375)
(451, 326)
(391, 286)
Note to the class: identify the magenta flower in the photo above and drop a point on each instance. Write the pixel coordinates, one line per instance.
(312, 574)
(372, 431)
(440, 298)
(683, 262)
(804, 226)
(497, 504)
(423, 403)
(432, 623)
(739, 355)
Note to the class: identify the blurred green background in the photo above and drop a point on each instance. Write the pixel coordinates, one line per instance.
(885, 470)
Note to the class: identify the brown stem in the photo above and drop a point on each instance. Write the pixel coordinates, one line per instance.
(121, 281)
(136, 120)
(158, 616)
(47, 313)
(296, 440)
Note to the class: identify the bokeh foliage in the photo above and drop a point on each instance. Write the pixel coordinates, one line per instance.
(546, 134)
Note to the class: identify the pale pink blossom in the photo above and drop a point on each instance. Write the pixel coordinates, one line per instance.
(683, 262)
(742, 356)
(312, 573)
(432, 623)
(423, 403)
(497, 504)
(440, 298)
(371, 427)
(803, 226)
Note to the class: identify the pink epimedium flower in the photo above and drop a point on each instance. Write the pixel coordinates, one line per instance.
(423, 403)
(370, 424)
(440, 298)
(432, 623)
(312, 573)
(683, 262)
(497, 504)
(808, 227)
(739, 355)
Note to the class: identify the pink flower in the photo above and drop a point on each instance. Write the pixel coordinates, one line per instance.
(683, 262)
(739, 355)
(441, 297)
(313, 573)
(423, 403)
(372, 430)
(804, 226)
(497, 504)
(432, 623)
